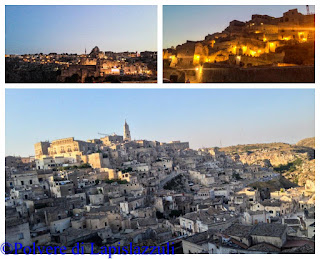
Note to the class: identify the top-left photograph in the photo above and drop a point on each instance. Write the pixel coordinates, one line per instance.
(80, 44)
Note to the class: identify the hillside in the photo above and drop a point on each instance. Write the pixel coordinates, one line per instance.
(307, 142)
(295, 162)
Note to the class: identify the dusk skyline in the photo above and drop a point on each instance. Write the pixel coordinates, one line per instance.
(204, 117)
(190, 22)
(72, 29)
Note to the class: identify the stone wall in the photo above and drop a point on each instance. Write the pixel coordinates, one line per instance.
(296, 74)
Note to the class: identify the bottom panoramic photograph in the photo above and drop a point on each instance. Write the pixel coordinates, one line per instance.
(202, 171)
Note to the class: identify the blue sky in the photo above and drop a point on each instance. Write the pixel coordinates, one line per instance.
(181, 23)
(204, 117)
(45, 28)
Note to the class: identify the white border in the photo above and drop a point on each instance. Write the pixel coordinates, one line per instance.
(151, 86)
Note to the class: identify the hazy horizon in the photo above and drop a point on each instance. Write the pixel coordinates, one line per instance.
(88, 52)
(31, 29)
(194, 22)
(204, 117)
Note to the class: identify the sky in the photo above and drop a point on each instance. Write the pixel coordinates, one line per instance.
(204, 117)
(71, 29)
(183, 22)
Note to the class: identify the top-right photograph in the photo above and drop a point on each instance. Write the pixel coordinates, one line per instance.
(238, 44)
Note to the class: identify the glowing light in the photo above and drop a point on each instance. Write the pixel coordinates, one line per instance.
(234, 50)
(252, 52)
(272, 47)
(286, 38)
(302, 36)
(196, 59)
(115, 70)
(286, 65)
(259, 51)
(197, 68)
(244, 48)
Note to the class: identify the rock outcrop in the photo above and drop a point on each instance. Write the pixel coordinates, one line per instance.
(295, 162)
(307, 142)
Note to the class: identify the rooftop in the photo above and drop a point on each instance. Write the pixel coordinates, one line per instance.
(238, 230)
(270, 230)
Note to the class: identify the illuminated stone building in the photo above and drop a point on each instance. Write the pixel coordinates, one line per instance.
(41, 149)
(262, 41)
(70, 146)
(99, 64)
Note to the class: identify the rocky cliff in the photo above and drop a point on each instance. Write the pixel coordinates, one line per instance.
(295, 162)
(307, 142)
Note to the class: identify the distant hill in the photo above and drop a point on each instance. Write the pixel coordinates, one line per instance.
(307, 142)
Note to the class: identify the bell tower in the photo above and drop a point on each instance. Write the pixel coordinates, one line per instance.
(126, 132)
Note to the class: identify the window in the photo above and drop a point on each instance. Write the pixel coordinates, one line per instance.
(22, 182)
(21, 236)
(30, 181)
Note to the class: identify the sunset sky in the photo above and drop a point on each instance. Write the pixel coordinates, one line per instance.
(190, 22)
(62, 28)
